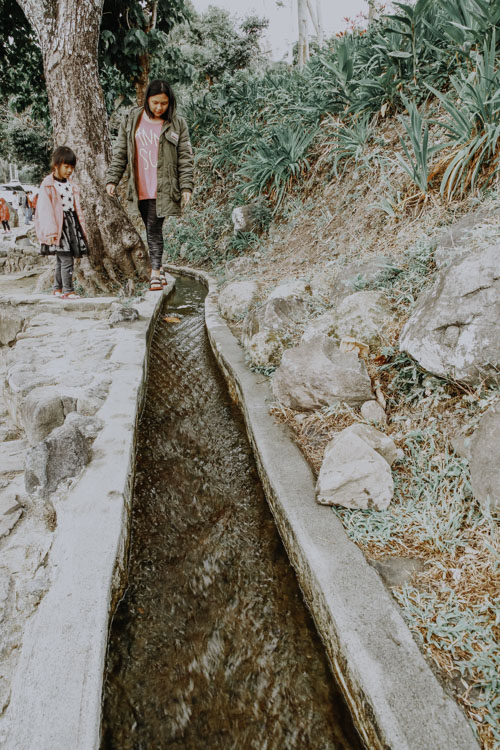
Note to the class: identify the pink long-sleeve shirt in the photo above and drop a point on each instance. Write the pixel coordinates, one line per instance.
(147, 138)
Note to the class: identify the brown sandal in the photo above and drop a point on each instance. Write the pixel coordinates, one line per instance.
(155, 284)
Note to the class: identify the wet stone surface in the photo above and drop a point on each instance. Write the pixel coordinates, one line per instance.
(212, 646)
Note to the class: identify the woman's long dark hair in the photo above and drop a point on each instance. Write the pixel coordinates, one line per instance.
(160, 87)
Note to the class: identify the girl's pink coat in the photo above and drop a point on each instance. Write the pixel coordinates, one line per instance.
(49, 212)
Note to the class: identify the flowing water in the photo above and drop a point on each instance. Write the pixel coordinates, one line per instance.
(211, 647)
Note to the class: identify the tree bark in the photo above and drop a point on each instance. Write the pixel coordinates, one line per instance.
(142, 81)
(68, 33)
(151, 13)
(317, 19)
(303, 47)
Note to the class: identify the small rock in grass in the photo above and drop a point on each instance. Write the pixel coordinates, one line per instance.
(354, 475)
(363, 316)
(396, 571)
(380, 443)
(373, 412)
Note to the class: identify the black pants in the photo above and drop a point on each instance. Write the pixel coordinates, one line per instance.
(154, 225)
(6, 225)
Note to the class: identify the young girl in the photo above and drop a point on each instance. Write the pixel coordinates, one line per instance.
(153, 141)
(4, 215)
(59, 222)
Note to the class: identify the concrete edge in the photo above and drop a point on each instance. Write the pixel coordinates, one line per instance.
(56, 697)
(395, 699)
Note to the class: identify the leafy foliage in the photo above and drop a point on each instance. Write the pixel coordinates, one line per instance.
(473, 125)
(210, 45)
(132, 30)
(273, 165)
(417, 130)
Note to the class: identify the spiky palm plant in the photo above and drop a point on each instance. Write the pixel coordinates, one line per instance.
(276, 163)
(473, 125)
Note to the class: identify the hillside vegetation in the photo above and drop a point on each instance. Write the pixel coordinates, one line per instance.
(385, 138)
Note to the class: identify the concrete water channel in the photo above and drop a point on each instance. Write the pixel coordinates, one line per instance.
(211, 645)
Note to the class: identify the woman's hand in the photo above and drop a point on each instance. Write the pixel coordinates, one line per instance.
(52, 240)
(185, 198)
(110, 188)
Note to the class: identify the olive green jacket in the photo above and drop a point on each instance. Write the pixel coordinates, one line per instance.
(175, 162)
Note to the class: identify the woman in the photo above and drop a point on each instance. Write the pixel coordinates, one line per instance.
(153, 142)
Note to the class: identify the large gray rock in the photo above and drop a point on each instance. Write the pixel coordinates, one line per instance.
(266, 329)
(11, 323)
(363, 316)
(276, 315)
(298, 288)
(453, 331)
(335, 282)
(316, 374)
(485, 460)
(63, 454)
(265, 348)
(455, 240)
(237, 298)
(324, 325)
(43, 410)
(354, 475)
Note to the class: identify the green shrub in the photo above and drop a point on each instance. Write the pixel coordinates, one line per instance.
(473, 125)
(273, 165)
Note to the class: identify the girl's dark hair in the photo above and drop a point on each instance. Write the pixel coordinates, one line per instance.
(63, 155)
(160, 87)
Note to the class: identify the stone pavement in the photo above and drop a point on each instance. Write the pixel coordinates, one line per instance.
(72, 375)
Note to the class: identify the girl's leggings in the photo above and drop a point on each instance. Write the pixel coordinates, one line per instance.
(6, 225)
(154, 225)
(63, 278)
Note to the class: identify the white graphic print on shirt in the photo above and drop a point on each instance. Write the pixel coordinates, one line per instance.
(65, 190)
(148, 151)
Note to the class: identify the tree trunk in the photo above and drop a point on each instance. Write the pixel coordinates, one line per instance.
(303, 50)
(317, 19)
(151, 14)
(68, 33)
(142, 81)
